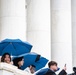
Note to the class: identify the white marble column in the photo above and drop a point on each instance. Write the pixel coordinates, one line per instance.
(12, 19)
(74, 31)
(61, 33)
(38, 26)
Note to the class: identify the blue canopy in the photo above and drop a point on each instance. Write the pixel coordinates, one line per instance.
(40, 63)
(34, 59)
(29, 59)
(14, 47)
(42, 71)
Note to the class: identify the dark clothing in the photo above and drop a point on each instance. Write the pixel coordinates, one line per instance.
(50, 72)
(63, 72)
(72, 74)
(53, 73)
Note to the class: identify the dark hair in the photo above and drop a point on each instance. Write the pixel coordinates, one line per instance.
(4, 55)
(33, 66)
(16, 60)
(74, 69)
(52, 63)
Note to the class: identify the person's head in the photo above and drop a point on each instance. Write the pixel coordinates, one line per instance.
(6, 58)
(32, 68)
(18, 61)
(74, 69)
(53, 65)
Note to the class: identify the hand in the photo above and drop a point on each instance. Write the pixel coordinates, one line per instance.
(64, 67)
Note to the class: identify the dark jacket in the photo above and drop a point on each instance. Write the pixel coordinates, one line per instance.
(50, 72)
(63, 72)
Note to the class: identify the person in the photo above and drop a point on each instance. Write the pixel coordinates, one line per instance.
(6, 58)
(30, 69)
(51, 70)
(18, 61)
(74, 69)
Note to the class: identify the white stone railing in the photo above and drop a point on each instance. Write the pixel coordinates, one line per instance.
(8, 69)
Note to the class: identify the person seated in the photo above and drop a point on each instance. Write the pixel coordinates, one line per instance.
(74, 69)
(18, 61)
(51, 70)
(6, 58)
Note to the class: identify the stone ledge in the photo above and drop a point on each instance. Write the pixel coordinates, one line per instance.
(11, 68)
